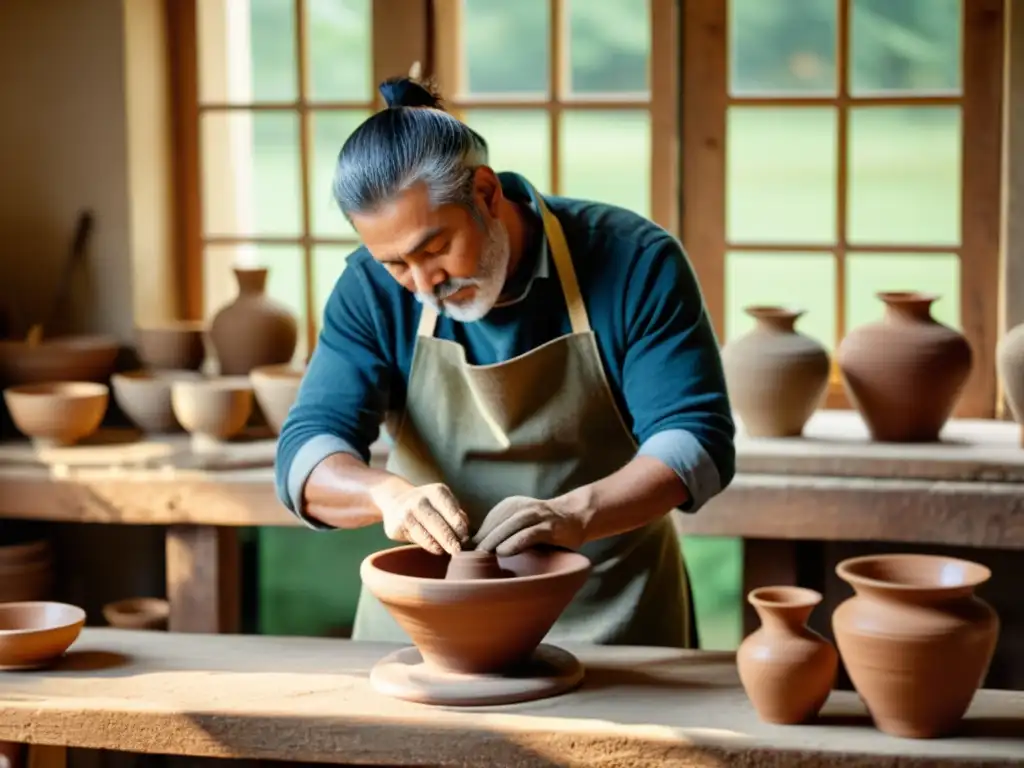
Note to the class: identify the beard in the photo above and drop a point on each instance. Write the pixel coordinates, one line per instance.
(488, 281)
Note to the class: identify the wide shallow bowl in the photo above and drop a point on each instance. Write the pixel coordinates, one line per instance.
(217, 408)
(276, 387)
(63, 358)
(34, 634)
(145, 397)
(172, 346)
(474, 626)
(138, 613)
(58, 413)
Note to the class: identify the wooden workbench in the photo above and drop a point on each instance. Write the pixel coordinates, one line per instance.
(304, 699)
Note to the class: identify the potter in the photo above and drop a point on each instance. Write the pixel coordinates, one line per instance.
(549, 363)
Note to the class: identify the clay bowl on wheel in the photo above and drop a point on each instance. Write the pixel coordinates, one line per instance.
(34, 634)
(276, 387)
(474, 626)
(60, 413)
(138, 613)
(172, 346)
(145, 397)
(63, 358)
(216, 408)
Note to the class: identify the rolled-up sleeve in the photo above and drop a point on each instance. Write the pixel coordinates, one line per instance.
(343, 393)
(673, 381)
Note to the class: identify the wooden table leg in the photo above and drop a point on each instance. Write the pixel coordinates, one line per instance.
(40, 756)
(203, 579)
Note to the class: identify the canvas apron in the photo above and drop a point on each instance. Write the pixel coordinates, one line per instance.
(539, 425)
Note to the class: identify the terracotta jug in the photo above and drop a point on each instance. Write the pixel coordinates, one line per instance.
(254, 329)
(905, 372)
(915, 640)
(776, 375)
(786, 668)
(1010, 364)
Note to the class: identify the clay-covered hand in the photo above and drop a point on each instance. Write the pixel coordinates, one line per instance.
(427, 515)
(519, 522)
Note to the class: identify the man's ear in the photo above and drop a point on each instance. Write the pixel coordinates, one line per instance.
(487, 189)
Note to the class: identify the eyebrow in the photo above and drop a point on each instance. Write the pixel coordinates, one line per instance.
(429, 235)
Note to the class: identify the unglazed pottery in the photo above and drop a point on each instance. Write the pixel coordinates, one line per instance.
(786, 668)
(905, 373)
(276, 387)
(58, 413)
(776, 375)
(1010, 365)
(67, 358)
(916, 641)
(26, 571)
(253, 330)
(216, 408)
(35, 634)
(138, 613)
(145, 397)
(173, 346)
(473, 564)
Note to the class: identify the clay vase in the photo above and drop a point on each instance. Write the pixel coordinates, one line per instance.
(787, 669)
(254, 329)
(905, 373)
(915, 640)
(776, 375)
(1010, 365)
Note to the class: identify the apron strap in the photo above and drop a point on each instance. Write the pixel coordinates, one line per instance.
(428, 320)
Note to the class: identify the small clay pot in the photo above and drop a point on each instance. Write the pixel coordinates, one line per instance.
(776, 375)
(216, 408)
(473, 565)
(275, 388)
(172, 346)
(59, 413)
(253, 330)
(1010, 365)
(138, 613)
(916, 641)
(63, 358)
(145, 397)
(35, 634)
(787, 669)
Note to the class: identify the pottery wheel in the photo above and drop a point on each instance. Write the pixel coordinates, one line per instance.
(403, 675)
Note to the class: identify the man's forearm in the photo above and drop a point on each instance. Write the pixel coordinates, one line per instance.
(639, 493)
(343, 492)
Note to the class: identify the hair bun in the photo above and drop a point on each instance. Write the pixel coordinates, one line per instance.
(406, 92)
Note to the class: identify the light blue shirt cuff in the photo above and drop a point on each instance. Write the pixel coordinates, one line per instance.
(312, 452)
(681, 452)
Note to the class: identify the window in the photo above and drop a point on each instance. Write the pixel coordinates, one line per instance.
(835, 148)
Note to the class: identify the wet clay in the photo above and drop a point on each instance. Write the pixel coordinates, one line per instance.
(474, 565)
(915, 640)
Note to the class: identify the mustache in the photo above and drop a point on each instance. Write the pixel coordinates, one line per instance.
(451, 286)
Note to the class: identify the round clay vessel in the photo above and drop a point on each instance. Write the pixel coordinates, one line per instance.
(60, 413)
(63, 358)
(905, 372)
(34, 634)
(776, 375)
(276, 387)
(477, 626)
(1010, 364)
(254, 329)
(786, 668)
(26, 572)
(145, 397)
(24, 554)
(916, 641)
(473, 565)
(216, 408)
(138, 613)
(173, 346)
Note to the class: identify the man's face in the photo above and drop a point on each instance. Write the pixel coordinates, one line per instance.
(451, 260)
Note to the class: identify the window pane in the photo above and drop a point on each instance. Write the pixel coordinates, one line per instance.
(908, 46)
(804, 280)
(517, 140)
(782, 47)
(781, 175)
(328, 264)
(284, 281)
(506, 47)
(609, 46)
(606, 156)
(339, 50)
(330, 129)
(868, 273)
(250, 168)
(905, 175)
(246, 51)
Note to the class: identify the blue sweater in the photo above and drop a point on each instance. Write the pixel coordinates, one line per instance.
(655, 338)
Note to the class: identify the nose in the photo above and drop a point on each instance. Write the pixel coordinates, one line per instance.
(426, 277)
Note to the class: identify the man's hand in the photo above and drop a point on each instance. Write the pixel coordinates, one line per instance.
(427, 515)
(519, 522)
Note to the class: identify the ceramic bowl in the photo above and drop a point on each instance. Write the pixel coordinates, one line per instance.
(276, 387)
(60, 413)
(145, 397)
(216, 408)
(138, 613)
(68, 358)
(172, 346)
(35, 634)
